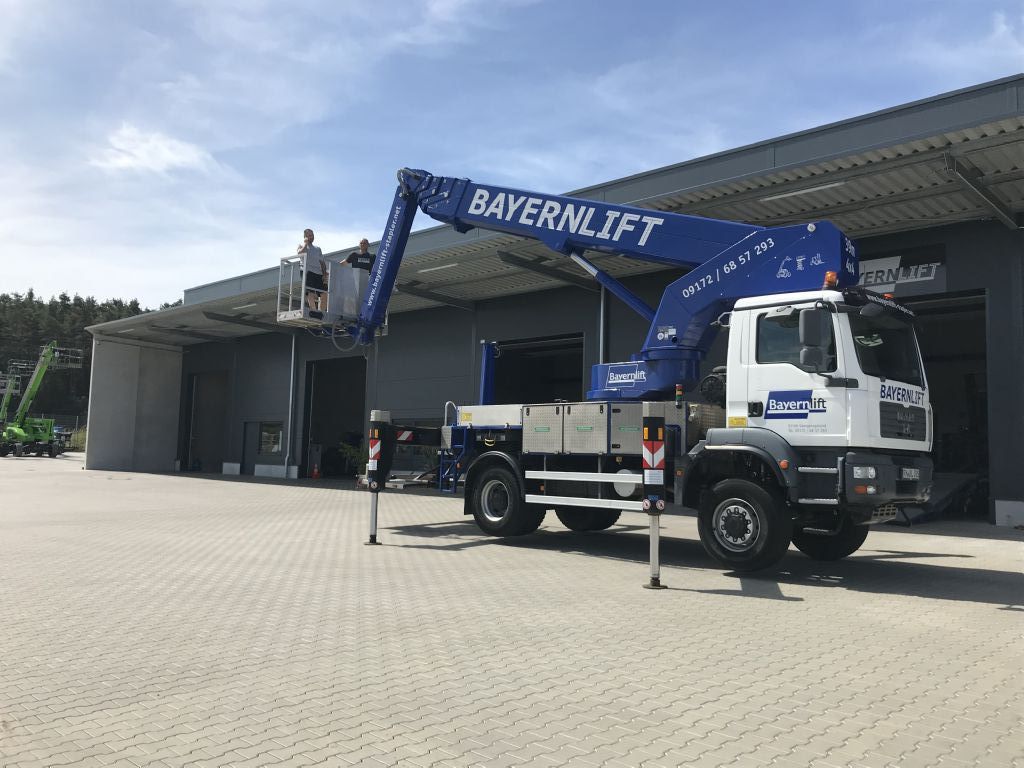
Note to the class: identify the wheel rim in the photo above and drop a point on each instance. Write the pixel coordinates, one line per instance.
(495, 501)
(737, 525)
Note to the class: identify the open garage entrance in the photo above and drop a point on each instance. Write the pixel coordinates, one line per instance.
(207, 408)
(952, 333)
(335, 416)
(539, 370)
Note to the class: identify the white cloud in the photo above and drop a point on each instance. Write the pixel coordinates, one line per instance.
(131, 149)
(999, 51)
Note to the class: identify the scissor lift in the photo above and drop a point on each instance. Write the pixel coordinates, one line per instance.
(338, 304)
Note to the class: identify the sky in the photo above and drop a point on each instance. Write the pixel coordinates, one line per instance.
(150, 147)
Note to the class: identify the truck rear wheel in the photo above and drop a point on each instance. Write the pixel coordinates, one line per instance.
(845, 542)
(744, 526)
(498, 505)
(588, 518)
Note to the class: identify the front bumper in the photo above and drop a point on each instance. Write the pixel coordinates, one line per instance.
(894, 481)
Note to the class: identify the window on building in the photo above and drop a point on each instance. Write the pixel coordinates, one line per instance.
(271, 437)
(778, 341)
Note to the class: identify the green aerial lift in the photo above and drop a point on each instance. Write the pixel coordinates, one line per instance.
(12, 386)
(24, 434)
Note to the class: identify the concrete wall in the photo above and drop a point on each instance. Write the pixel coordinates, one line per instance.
(133, 407)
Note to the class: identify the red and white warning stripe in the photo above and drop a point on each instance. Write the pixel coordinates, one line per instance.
(405, 436)
(654, 454)
(374, 454)
(654, 462)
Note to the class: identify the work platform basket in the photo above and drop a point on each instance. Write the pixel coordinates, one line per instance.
(301, 305)
(66, 357)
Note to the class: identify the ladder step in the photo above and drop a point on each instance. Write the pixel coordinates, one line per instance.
(585, 477)
(576, 501)
(818, 470)
(820, 502)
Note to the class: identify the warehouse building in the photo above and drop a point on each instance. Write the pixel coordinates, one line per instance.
(932, 191)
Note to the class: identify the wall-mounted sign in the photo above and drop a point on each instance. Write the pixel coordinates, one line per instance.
(913, 272)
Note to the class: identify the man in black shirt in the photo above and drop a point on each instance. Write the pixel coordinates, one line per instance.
(361, 259)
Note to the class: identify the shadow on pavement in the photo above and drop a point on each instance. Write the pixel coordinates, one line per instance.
(870, 571)
(971, 529)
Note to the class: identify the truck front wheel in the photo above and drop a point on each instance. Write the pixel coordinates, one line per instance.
(846, 541)
(587, 518)
(744, 526)
(498, 505)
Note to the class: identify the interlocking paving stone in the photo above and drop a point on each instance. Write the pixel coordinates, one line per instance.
(155, 621)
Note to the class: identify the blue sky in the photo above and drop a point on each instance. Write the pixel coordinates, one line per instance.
(150, 147)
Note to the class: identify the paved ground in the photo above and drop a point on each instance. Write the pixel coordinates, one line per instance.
(184, 621)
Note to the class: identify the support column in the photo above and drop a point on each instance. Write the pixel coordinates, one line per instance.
(379, 463)
(654, 490)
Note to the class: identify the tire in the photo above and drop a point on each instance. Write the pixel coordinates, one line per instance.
(533, 517)
(19, 451)
(4, 450)
(588, 518)
(744, 526)
(39, 453)
(847, 541)
(498, 505)
(52, 451)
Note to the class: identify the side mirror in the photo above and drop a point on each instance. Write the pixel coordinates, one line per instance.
(812, 358)
(814, 327)
(815, 335)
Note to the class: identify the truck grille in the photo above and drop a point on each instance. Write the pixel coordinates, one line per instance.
(902, 422)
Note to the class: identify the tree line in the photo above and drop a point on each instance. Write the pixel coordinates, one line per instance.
(28, 322)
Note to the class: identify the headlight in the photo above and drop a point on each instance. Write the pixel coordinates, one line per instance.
(864, 473)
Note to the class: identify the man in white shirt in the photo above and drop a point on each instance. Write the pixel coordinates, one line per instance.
(314, 267)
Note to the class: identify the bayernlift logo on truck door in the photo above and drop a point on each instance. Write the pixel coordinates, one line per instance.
(793, 404)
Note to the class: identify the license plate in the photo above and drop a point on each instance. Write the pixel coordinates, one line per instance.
(910, 473)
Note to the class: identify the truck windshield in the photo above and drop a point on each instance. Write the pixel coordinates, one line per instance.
(887, 348)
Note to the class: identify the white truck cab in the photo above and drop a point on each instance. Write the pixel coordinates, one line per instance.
(869, 392)
(838, 378)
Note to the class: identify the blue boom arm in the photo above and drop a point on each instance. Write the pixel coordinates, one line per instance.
(728, 260)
